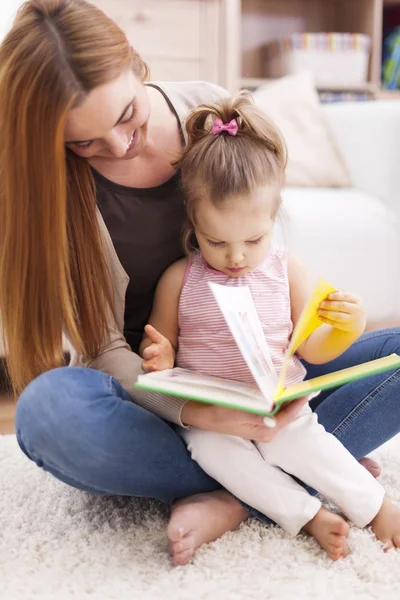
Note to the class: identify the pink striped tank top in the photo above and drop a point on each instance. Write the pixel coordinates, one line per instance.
(205, 343)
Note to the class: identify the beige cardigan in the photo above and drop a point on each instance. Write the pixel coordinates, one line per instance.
(117, 359)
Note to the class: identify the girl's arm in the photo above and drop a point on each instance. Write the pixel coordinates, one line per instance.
(342, 313)
(160, 340)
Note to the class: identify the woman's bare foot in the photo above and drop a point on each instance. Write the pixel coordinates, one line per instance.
(371, 466)
(330, 531)
(386, 524)
(201, 519)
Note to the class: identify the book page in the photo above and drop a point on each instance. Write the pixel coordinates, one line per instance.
(237, 306)
(307, 323)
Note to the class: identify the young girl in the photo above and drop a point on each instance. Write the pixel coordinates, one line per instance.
(232, 175)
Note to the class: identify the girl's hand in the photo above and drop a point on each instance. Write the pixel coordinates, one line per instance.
(344, 311)
(239, 423)
(160, 355)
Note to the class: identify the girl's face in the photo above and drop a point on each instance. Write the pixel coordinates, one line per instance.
(235, 237)
(111, 122)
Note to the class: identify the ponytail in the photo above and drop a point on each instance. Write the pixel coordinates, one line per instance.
(225, 164)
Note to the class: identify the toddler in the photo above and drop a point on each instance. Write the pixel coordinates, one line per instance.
(233, 173)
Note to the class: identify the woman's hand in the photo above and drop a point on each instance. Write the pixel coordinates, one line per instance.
(240, 423)
(159, 355)
(344, 311)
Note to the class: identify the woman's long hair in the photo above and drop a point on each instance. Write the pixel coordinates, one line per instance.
(53, 271)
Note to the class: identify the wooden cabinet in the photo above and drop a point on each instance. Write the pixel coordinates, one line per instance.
(179, 39)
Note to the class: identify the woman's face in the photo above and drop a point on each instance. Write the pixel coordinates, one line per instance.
(111, 122)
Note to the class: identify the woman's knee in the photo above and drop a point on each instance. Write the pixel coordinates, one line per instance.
(384, 341)
(391, 344)
(80, 425)
(52, 406)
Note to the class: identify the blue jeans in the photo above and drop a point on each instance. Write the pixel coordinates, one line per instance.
(81, 426)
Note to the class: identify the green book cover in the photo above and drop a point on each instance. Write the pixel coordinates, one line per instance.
(225, 392)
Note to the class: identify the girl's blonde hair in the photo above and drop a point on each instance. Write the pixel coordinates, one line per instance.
(221, 166)
(53, 271)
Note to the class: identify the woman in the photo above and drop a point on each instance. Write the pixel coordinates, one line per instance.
(90, 216)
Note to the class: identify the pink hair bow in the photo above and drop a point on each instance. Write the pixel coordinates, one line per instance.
(231, 128)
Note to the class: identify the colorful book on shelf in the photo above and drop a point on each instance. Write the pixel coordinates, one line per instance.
(268, 393)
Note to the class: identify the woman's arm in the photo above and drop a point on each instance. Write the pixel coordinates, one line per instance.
(239, 423)
(118, 360)
(124, 365)
(342, 315)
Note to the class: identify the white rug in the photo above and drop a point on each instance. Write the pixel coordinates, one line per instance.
(56, 542)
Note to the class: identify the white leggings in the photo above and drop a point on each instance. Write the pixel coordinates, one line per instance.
(259, 473)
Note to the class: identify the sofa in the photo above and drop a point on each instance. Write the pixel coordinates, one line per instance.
(351, 236)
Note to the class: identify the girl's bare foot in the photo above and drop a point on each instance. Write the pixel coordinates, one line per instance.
(330, 531)
(201, 519)
(386, 524)
(371, 466)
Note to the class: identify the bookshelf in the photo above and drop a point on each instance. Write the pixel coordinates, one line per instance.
(250, 24)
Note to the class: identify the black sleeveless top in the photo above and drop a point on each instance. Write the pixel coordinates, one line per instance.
(145, 225)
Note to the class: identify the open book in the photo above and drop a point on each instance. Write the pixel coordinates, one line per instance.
(268, 393)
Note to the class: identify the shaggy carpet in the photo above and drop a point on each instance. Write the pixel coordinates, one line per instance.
(57, 542)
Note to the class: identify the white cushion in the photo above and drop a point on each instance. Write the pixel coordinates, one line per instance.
(351, 239)
(293, 105)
